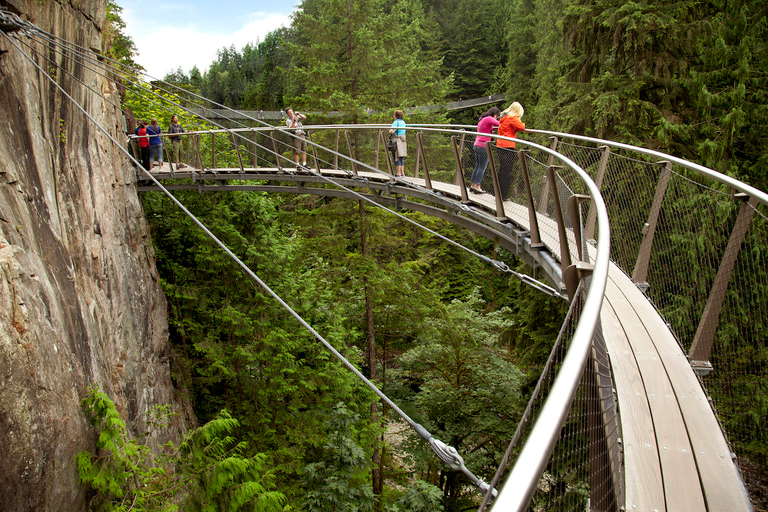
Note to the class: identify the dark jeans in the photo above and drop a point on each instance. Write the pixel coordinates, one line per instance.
(507, 164)
(481, 161)
(145, 158)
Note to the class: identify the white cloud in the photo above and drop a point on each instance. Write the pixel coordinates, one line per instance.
(165, 48)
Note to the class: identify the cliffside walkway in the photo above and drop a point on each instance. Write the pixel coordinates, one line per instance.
(654, 394)
(656, 441)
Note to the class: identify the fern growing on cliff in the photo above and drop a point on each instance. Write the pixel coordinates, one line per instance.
(206, 471)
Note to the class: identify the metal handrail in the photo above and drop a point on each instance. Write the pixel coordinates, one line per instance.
(706, 171)
(532, 461)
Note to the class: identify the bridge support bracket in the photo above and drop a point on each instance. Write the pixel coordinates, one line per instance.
(643, 286)
(701, 368)
(573, 275)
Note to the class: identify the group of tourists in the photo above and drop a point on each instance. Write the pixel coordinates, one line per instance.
(151, 144)
(508, 124)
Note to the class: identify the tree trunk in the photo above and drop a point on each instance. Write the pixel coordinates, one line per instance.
(376, 476)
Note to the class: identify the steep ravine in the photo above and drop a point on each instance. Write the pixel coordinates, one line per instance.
(80, 302)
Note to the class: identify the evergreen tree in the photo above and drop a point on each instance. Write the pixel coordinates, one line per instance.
(350, 56)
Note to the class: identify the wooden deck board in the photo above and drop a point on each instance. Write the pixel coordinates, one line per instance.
(719, 477)
(644, 489)
(682, 489)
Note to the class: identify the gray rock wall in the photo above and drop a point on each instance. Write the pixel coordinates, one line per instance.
(80, 302)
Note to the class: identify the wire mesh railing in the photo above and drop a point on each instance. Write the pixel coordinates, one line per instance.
(448, 157)
(696, 243)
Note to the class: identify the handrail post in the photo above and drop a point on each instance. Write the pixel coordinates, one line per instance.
(213, 150)
(255, 149)
(336, 152)
(418, 157)
(237, 152)
(500, 213)
(277, 154)
(197, 152)
(459, 170)
(379, 137)
(565, 253)
(427, 180)
(701, 348)
(349, 149)
(640, 273)
(545, 186)
(314, 154)
(459, 179)
(389, 159)
(589, 231)
(574, 211)
(533, 219)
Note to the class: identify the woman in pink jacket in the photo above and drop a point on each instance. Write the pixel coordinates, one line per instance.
(488, 121)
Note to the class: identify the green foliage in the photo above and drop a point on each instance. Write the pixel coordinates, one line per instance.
(468, 393)
(116, 44)
(349, 56)
(207, 471)
(340, 480)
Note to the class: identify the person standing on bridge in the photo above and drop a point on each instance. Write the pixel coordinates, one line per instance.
(141, 131)
(155, 143)
(298, 137)
(488, 121)
(398, 135)
(175, 129)
(509, 125)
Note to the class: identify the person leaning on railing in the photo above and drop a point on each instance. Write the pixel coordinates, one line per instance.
(488, 121)
(175, 129)
(509, 125)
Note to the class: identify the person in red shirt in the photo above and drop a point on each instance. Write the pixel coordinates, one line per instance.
(509, 125)
(141, 131)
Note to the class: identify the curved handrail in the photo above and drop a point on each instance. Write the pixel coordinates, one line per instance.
(532, 461)
(706, 171)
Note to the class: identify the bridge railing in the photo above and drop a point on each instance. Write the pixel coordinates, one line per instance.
(437, 155)
(696, 242)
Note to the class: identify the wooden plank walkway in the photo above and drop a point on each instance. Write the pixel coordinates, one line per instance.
(675, 455)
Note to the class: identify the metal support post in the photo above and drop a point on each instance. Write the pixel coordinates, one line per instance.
(418, 156)
(314, 153)
(640, 273)
(701, 348)
(389, 156)
(427, 180)
(601, 167)
(237, 152)
(565, 253)
(574, 211)
(213, 150)
(277, 153)
(542, 208)
(197, 152)
(336, 151)
(459, 179)
(255, 148)
(500, 213)
(349, 150)
(533, 220)
(459, 170)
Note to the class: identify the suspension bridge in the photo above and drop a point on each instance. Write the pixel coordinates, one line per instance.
(643, 402)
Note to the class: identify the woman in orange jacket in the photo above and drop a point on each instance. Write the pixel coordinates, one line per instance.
(509, 125)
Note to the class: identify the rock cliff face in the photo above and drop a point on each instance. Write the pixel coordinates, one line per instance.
(80, 302)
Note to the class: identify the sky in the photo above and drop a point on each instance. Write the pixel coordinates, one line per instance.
(184, 33)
